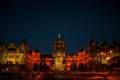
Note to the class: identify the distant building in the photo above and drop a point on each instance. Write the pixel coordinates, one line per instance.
(59, 53)
(33, 60)
(103, 53)
(74, 62)
(46, 63)
(12, 54)
(60, 61)
(92, 48)
(95, 57)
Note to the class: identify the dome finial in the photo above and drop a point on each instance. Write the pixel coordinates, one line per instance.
(59, 35)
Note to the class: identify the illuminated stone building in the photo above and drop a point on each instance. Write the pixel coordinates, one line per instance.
(107, 51)
(12, 54)
(92, 58)
(60, 61)
(56, 60)
(102, 54)
(92, 48)
(83, 60)
(33, 60)
(74, 62)
(59, 54)
(46, 63)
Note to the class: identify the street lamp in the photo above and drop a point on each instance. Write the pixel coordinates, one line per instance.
(101, 60)
(31, 64)
(110, 51)
(107, 59)
(94, 59)
(101, 57)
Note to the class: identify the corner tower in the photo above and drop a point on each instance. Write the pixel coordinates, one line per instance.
(59, 52)
(59, 47)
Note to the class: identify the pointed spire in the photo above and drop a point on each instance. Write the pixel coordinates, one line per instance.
(3, 40)
(92, 39)
(114, 41)
(12, 41)
(104, 42)
(24, 40)
(59, 35)
(81, 50)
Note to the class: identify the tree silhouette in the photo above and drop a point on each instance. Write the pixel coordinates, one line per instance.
(81, 67)
(71, 67)
(74, 67)
(45, 67)
(40, 66)
(35, 67)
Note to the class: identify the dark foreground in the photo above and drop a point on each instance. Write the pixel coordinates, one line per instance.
(58, 76)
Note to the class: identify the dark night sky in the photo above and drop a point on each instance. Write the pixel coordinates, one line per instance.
(39, 21)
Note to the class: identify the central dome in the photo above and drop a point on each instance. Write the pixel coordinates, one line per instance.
(59, 54)
(59, 44)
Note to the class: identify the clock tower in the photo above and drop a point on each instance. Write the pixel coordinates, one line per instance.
(59, 54)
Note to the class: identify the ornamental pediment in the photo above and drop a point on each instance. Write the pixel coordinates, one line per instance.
(11, 46)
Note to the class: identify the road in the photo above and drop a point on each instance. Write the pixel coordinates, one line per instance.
(59, 76)
(77, 76)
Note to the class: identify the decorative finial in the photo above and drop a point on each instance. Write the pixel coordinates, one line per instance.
(59, 35)
(92, 39)
(24, 40)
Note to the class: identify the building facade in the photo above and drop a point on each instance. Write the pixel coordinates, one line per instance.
(60, 61)
(33, 60)
(77, 62)
(94, 58)
(102, 54)
(59, 53)
(12, 54)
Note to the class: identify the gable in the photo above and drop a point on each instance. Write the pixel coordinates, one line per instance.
(11, 46)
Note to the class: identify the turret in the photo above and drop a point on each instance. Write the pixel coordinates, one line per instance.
(2, 45)
(24, 46)
(59, 46)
